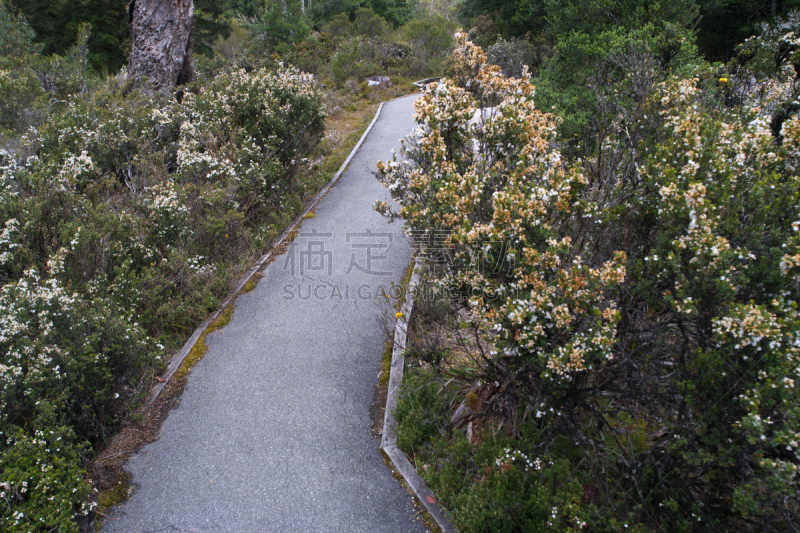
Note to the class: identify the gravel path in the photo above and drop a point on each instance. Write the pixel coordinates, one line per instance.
(273, 432)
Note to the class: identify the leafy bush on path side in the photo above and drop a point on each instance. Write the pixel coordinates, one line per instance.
(644, 315)
(122, 221)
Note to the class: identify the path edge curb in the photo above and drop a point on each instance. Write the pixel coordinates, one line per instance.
(389, 434)
(177, 359)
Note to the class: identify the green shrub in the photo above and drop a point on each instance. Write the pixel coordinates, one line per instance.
(490, 484)
(339, 26)
(640, 304)
(368, 24)
(18, 92)
(122, 220)
(430, 42)
(312, 54)
(346, 64)
(45, 484)
(19, 86)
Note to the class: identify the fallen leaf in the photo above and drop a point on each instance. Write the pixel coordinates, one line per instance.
(430, 499)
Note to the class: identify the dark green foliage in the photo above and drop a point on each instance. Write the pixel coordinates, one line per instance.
(430, 39)
(367, 23)
(433, 34)
(248, 9)
(499, 482)
(346, 64)
(721, 26)
(312, 54)
(509, 19)
(395, 12)
(211, 22)
(323, 11)
(339, 26)
(726, 23)
(281, 25)
(16, 37)
(19, 86)
(56, 23)
(588, 35)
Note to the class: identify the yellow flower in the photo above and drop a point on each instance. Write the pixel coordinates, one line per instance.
(723, 80)
(399, 314)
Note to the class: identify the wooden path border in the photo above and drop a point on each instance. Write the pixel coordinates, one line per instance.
(389, 436)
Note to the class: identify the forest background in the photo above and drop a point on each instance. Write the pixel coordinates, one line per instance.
(126, 213)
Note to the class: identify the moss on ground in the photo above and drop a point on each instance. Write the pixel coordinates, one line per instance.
(106, 499)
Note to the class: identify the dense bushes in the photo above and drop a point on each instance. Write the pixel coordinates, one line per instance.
(636, 307)
(123, 219)
(366, 48)
(343, 49)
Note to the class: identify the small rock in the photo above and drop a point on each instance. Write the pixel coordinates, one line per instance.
(379, 81)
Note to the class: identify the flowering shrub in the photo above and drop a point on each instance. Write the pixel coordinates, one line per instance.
(58, 350)
(649, 317)
(500, 191)
(725, 203)
(43, 484)
(273, 120)
(122, 220)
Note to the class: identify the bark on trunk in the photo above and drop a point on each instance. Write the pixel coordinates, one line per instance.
(161, 35)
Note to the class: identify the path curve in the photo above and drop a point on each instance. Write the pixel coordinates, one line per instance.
(273, 431)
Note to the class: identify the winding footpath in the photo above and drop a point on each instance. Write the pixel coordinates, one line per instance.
(273, 431)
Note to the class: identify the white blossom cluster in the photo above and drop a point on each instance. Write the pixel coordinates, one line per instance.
(511, 457)
(204, 150)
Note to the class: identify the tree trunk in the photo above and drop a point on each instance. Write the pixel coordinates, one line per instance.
(162, 42)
